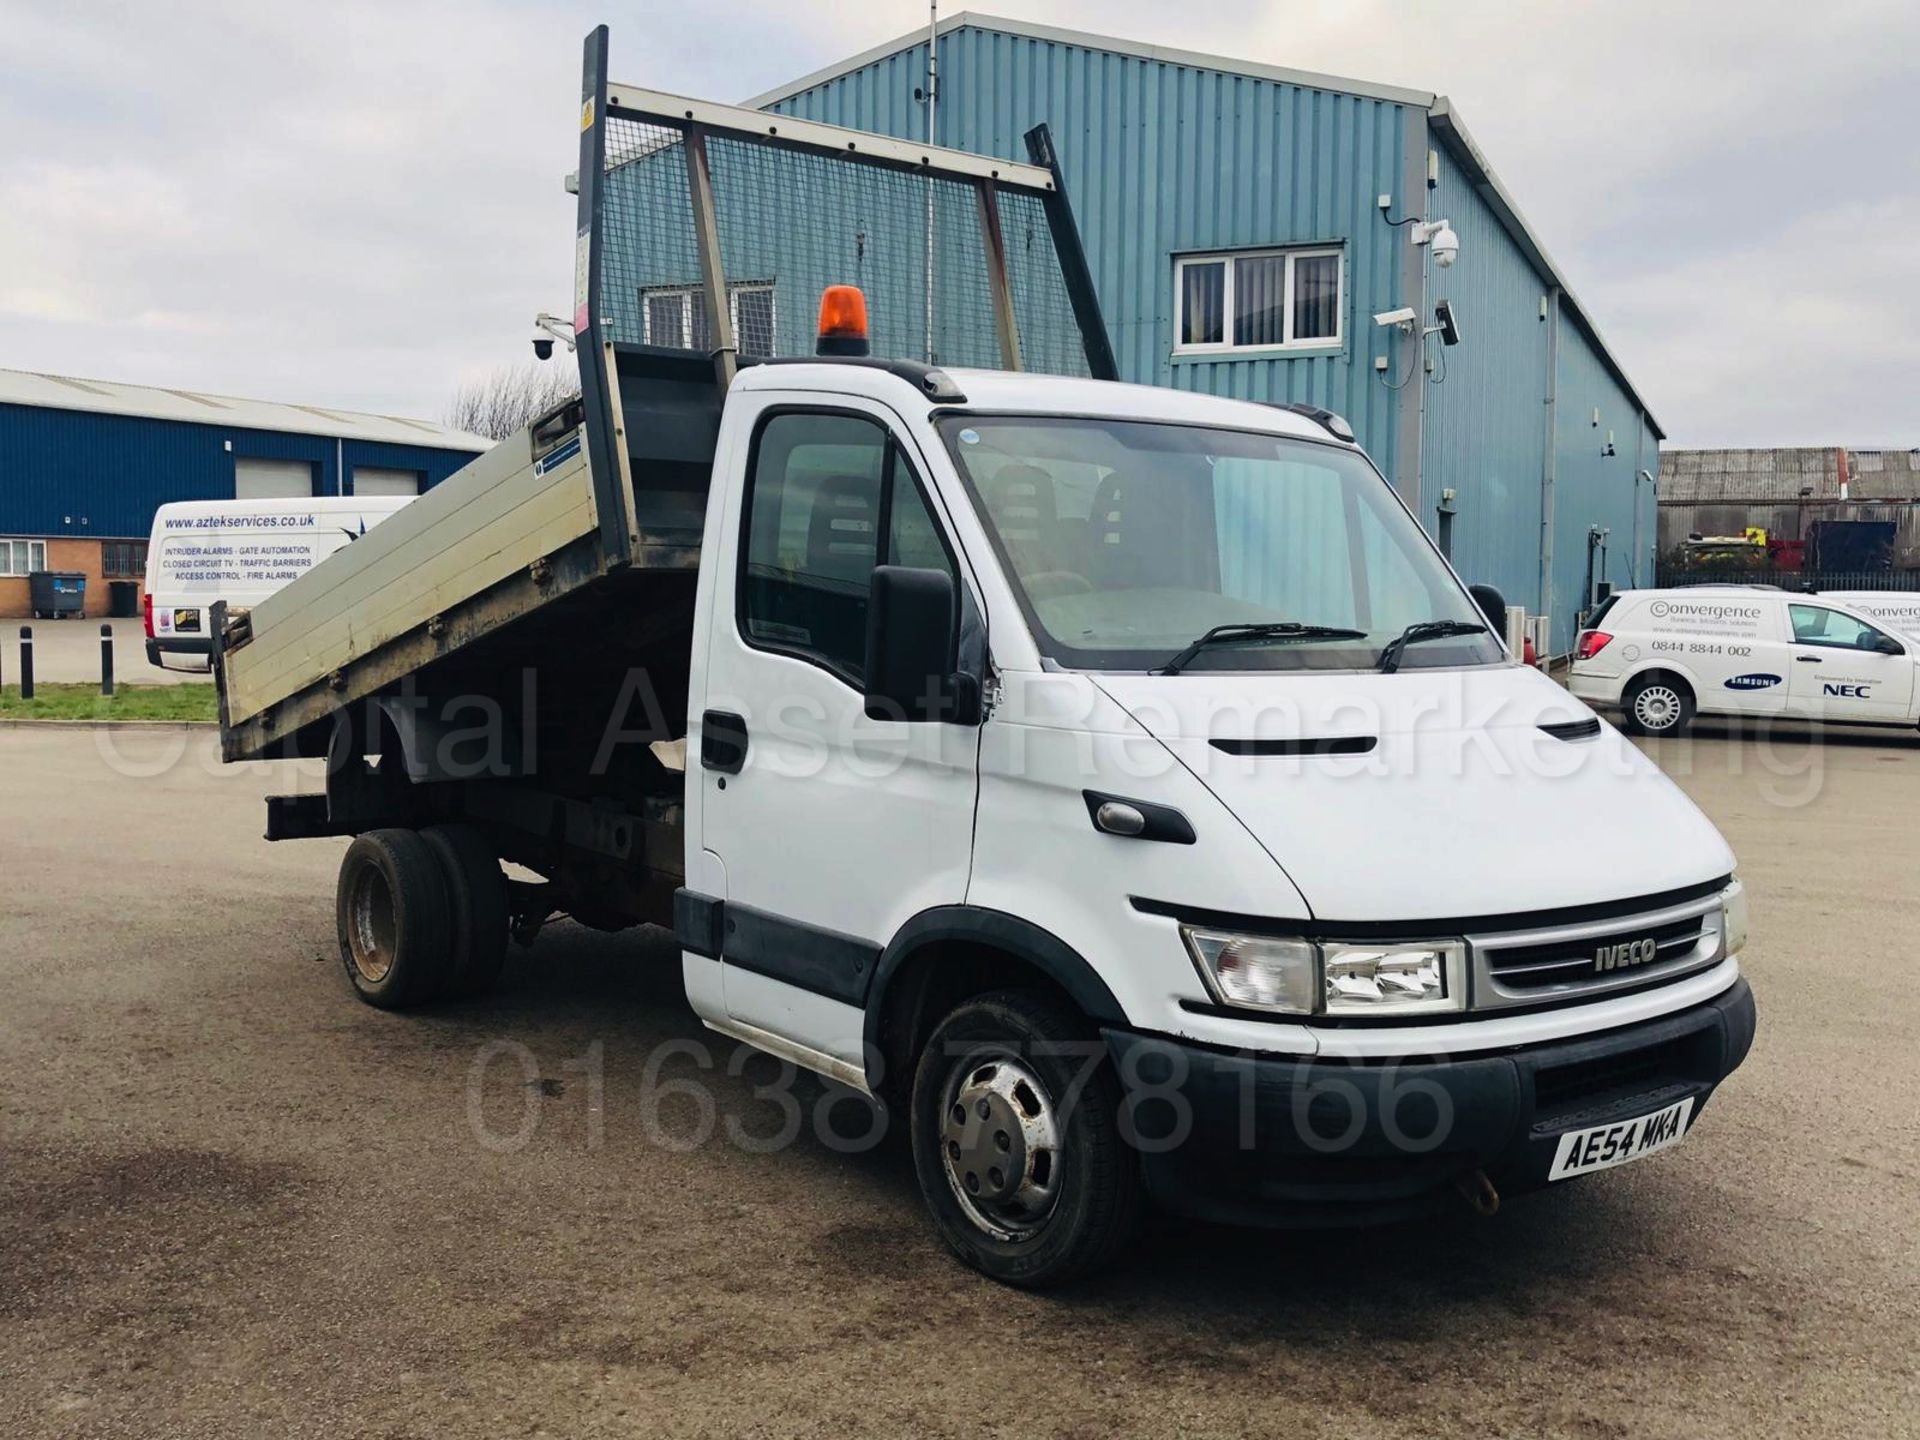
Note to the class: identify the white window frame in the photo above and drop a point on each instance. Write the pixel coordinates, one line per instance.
(688, 298)
(34, 548)
(1226, 258)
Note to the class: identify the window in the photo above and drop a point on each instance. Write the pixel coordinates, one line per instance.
(1816, 625)
(1257, 300)
(1127, 540)
(677, 318)
(22, 557)
(124, 559)
(824, 489)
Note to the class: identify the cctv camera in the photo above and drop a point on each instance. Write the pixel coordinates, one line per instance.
(542, 347)
(1403, 316)
(1446, 245)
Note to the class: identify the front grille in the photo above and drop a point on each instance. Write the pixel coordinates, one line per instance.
(1526, 967)
(1586, 959)
(1586, 1082)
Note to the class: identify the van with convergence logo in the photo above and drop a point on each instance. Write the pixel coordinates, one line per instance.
(1663, 656)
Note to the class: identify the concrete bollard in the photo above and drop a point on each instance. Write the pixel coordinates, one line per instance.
(26, 662)
(106, 659)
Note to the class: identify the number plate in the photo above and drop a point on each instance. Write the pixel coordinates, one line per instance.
(1605, 1146)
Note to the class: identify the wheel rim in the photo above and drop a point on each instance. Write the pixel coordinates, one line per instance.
(372, 935)
(1000, 1146)
(1657, 707)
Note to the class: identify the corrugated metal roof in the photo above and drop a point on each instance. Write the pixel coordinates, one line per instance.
(109, 397)
(1443, 117)
(1782, 476)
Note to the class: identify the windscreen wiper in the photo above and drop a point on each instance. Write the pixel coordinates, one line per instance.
(1424, 630)
(1244, 632)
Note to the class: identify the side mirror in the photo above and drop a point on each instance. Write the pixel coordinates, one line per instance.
(911, 644)
(1493, 605)
(1887, 645)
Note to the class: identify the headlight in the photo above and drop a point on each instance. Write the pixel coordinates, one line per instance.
(1257, 972)
(1733, 904)
(1395, 979)
(1299, 977)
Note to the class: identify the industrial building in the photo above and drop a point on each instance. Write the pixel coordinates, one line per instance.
(1246, 224)
(1828, 516)
(84, 464)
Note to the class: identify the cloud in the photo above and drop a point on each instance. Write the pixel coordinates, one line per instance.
(358, 203)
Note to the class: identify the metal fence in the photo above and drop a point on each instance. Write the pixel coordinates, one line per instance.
(1897, 581)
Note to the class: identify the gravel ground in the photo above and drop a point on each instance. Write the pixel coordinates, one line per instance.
(235, 1201)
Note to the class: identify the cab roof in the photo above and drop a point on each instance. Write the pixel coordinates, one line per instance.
(1025, 392)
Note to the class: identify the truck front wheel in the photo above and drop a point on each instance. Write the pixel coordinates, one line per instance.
(393, 918)
(1017, 1141)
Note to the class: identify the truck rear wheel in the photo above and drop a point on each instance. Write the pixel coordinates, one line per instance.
(477, 897)
(393, 919)
(1017, 1144)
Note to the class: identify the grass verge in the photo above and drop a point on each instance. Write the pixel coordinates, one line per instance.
(128, 702)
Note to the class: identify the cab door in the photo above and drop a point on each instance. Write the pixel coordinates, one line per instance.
(832, 829)
(1843, 668)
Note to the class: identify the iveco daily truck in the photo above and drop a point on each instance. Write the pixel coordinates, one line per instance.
(1113, 783)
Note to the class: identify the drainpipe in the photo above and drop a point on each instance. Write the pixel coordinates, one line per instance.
(1548, 469)
(339, 466)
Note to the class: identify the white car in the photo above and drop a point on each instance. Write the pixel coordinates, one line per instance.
(239, 551)
(1663, 656)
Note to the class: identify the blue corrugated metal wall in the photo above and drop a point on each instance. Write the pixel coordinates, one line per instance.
(1592, 489)
(1484, 425)
(1162, 158)
(75, 473)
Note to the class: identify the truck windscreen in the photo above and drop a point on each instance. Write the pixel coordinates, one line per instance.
(1126, 540)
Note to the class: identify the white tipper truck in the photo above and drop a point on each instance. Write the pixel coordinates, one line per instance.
(1115, 784)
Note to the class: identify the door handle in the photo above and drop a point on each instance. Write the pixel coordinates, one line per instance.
(1809, 659)
(723, 741)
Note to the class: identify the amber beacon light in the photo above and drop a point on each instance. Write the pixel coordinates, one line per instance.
(843, 321)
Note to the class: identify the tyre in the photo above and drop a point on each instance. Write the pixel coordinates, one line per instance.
(477, 897)
(1658, 705)
(1017, 1146)
(393, 918)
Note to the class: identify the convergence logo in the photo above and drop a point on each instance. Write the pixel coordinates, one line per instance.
(1702, 610)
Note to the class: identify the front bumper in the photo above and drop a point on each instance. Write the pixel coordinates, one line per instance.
(1249, 1139)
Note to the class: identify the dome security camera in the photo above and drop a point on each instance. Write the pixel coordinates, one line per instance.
(1446, 245)
(542, 347)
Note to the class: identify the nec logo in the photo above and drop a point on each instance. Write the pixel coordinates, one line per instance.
(1624, 955)
(1845, 692)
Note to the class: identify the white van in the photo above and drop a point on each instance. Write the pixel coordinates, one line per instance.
(1898, 610)
(239, 551)
(1663, 656)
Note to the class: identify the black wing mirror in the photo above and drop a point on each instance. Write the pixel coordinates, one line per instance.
(1493, 605)
(912, 644)
(1887, 645)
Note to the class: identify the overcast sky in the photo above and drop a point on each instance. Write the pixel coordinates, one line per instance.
(361, 204)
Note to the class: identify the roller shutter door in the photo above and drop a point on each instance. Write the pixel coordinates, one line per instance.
(256, 479)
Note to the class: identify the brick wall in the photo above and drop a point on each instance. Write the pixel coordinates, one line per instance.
(83, 556)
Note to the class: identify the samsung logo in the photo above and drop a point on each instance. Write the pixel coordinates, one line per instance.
(1755, 681)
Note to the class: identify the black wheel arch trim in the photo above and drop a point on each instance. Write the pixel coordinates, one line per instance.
(996, 929)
